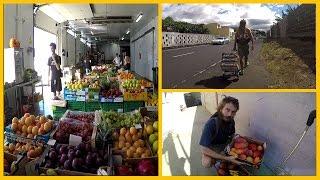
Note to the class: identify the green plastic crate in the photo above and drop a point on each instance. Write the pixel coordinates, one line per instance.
(92, 106)
(132, 105)
(108, 106)
(58, 112)
(76, 105)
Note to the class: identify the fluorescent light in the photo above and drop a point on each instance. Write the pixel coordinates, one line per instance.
(122, 38)
(91, 32)
(139, 17)
(128, 32)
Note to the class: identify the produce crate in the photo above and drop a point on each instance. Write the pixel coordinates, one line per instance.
(92, 106)
(11, 136)
(68, 92)
(132, 105)
(115, 106)
(229, 151)
(143, 96)
(58, 112)
(76, 106)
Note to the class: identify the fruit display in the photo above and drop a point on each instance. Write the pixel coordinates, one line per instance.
(130, 141)
(81, 158)
(144, 167)
(69, 126)
(225, 168)
(145, 83)
(111, 119)
(125, 75)
(77, 85)
(151, 130)
(152, 100)
(33, 151)
(131, 84)
(30, 126)
(111, 93)
(87, 117)
(247, 150)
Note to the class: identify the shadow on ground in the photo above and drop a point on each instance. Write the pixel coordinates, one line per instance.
(216, 82)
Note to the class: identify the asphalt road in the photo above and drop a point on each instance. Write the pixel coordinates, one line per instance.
(198, 67)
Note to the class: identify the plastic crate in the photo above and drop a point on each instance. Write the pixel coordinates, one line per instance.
(108, 106)
(92, 106)
(58, 112)
(76, 105)
(132, 105)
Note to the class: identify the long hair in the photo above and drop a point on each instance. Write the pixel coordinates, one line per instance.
(226, 100)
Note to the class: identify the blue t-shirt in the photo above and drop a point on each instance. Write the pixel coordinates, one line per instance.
(209, 137)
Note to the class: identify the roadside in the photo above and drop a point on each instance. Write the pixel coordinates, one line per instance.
(286, 69)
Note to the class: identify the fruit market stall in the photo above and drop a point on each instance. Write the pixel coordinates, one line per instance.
(83, 143)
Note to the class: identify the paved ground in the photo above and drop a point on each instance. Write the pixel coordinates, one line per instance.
(181, 154)
(198, 68)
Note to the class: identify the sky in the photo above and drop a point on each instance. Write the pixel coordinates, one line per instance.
(258, 16)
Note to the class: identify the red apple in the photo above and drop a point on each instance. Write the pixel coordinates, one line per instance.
(249, 152)
(241, 145)
(241, 151)
(260, 148)
(242, 157)
(256, 154)
(252, 147)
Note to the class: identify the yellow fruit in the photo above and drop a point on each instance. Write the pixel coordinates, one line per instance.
(22, 121)
(140, 151)
(130, 153)
(149, 129)
(41, 131)
(24, 129)
(32, 117)
(128, 137)
(135, 137)
(141, 142)
(127, 145)
(26, 115)
(123, 131)
(133, 131)
(121, 144)
(15, 120)
(14, 126)
(47, 126)
(122, 138)
(29, 130)
(136, 144)
(147, 152)
(43, 120)
(30, 136)
(132, 148)
(28, 121)
(35, 130)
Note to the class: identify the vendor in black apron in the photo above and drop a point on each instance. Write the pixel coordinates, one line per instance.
(218, 132)
(54, 63)
(242, 38)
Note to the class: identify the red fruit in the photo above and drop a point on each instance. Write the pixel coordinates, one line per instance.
(241, 145)
(242, 157)
(260, 148)
(256, 154)
(221, 172)
(241, 151)
(256, 160)
(240, 140)
(249, 152)
(252, 147)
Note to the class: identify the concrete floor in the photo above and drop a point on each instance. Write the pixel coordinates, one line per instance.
(181, 134)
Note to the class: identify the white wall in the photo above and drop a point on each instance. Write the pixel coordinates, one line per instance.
(279, 119)
(110, 50)
(147, 47)
(18, 22)
(46, 23)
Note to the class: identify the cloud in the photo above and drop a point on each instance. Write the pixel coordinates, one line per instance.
(258, 16)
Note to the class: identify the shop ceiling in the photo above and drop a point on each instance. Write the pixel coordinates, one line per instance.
(96, 23)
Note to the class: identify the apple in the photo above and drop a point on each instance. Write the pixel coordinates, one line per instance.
(260, 148)
(241, 151)
(252, 147)
(241, 145)
(242, 157)
(256, 154)
(249, 152)
(250, 159)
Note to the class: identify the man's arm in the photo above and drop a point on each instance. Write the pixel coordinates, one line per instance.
(251, 37)
(208, 152)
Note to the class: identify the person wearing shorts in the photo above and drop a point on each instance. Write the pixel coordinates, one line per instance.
(54, 63)
(218, 132)
(242, 38)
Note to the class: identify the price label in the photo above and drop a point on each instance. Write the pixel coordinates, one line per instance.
(74, 140)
